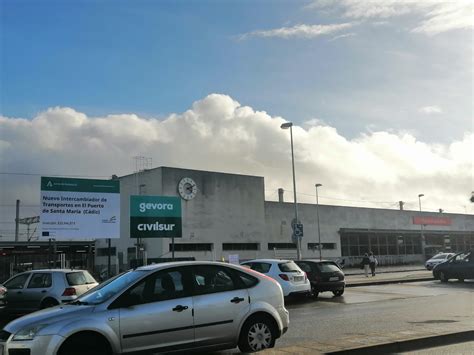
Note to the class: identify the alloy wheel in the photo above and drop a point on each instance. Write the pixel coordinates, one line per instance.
(259, 336)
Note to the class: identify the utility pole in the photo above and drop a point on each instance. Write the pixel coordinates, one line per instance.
(17, 220)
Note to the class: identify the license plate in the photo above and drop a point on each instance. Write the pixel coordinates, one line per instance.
(298, 278)
(334, 278)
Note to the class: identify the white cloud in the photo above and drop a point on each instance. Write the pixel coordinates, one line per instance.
(298, 31)
(433, 16)
(219, 134)
(345, 35)
(429, 110)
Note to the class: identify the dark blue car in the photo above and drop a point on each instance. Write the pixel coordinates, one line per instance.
(460, 266)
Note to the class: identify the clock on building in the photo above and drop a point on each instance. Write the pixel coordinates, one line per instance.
(187, 188)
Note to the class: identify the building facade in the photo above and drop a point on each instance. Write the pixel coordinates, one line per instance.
(227, 214)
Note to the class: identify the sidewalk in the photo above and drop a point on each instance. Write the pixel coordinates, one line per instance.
(386, 269)
(388, 277)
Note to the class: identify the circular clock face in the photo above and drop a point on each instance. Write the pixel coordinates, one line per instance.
(187, 188)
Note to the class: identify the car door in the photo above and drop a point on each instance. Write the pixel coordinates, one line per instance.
(457, 267)
(38, 287)
(311, 270)
(221, 301)
(468, 267)
(158, 313)
(15, 292)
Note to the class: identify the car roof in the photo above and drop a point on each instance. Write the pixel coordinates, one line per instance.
(57, 270)
(267, 261)
(316, 261)
(158, 266)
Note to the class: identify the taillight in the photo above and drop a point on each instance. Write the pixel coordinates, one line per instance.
(284, 277)
(305, 276)
(70, 291)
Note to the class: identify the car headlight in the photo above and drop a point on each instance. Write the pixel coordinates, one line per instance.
(28, 333)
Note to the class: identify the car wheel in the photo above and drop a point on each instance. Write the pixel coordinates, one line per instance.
(314, 293)
(443, 277)
(48, 302)
(338, 293)
(258, 333)
(85, 344)
(461, 280)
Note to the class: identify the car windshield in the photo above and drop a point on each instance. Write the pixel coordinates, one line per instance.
(111, 287)
(441, 256)
(289, 266)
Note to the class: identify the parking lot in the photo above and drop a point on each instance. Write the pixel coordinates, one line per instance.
(367, 314)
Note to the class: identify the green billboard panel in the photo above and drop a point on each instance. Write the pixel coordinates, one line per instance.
(155, 217)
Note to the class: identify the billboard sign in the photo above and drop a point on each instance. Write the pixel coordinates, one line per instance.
(155, 217)
(79, 208)
(435, 221)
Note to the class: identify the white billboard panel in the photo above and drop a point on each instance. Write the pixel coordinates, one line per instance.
(79, 208)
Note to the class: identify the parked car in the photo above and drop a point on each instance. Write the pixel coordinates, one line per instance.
(325, 275)
(437, 259)
(178, 306)
(37, 289)
(3, 292)
(460, 266)
(291, 278)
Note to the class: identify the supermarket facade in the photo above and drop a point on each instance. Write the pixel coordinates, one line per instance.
(226, 215)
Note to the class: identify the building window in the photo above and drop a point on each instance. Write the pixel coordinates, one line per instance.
(326, 246)
(105, 251)
(272, 246)
(191, 247)
(240, 246)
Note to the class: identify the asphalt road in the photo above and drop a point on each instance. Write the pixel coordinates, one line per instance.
(375, 311)
(379, 310)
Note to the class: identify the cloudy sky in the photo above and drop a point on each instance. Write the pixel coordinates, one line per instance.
(380, 92)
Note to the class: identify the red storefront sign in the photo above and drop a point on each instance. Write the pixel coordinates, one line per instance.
(435, 221)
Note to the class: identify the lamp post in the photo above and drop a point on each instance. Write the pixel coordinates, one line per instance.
(289, 125)
(317, 217)
(423, 243)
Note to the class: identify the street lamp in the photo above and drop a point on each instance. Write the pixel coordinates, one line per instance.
(289, 125)
(317, 215)
(423, 243)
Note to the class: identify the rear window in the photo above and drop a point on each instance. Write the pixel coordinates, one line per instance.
(260, 267)
(328, 267)
(247, 280)
(77, 278)
(289, 266)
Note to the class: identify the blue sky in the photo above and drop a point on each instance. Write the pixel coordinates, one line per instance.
(154, 58)
(380, 93)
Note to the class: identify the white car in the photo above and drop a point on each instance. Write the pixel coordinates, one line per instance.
(291, 278)
(437, 259)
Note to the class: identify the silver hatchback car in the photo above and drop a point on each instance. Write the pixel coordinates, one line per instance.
(164, 307)
(37, 289)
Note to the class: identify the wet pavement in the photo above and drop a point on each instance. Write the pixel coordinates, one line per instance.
(425, 336)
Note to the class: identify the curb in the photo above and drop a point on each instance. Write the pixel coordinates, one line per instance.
(385, 282)
(386, 272)
(410, 344)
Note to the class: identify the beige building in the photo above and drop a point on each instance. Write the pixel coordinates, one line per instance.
(226, 214)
